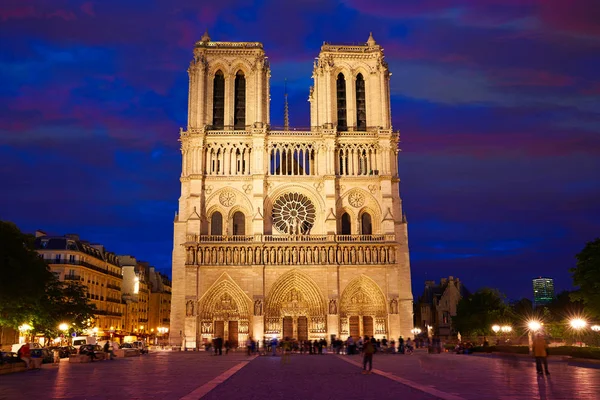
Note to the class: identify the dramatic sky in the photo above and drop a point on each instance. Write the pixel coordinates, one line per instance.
(497, 102)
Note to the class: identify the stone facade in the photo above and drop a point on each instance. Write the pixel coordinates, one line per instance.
(437, 306)
(289, 233)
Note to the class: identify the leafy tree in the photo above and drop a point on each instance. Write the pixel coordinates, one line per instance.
(476, 314)
(30, 293)
(63, 302)
(587, 277)
(24, 276)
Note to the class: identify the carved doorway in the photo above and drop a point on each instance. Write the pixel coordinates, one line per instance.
(354, 328)
(233, 334)
(288, 327)
(219, 329)
(302, 328)
(368, 326)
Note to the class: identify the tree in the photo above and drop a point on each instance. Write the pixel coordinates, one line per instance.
(30, 293)
(476, 314)
(24, 276)
(587, 277)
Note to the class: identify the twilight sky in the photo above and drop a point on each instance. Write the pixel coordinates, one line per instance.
(497, 102)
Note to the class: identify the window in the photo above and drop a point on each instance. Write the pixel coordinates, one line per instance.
(341, 103)
(216, 224)
(57, 257)
(366, 227)
(346, 224)
(361, 109)
(239, 223)
(219, 101)
(71, 258)
(239, 113)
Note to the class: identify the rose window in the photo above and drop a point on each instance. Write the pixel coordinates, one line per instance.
(293, 214)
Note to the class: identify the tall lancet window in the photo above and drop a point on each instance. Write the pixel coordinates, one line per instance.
(341, 103)
(361, 106)
(239, 119)
(219, 101)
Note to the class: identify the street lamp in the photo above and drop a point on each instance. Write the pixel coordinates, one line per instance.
(506, 328)
(24, 329)
(595, 328)
(415, 331)
(496, 328)
(578, 324)
(534, 325)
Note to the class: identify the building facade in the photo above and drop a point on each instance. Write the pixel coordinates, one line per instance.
(437, 306)
(159, 312)
(71, 259)
(289, 233)
(543, 291)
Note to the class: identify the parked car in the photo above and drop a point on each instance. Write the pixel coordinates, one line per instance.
(9, 357)
(44, 353)
(15, 347)
(64, 351)
(141, 346)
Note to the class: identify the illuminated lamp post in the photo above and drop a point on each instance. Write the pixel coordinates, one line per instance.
(578, 324)
(595, 328)
(533, 326)
(64, 328)
(24, 332)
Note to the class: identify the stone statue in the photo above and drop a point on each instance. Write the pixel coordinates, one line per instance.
(332, 306)
(189, 308)
(394, 306)
(258, 307)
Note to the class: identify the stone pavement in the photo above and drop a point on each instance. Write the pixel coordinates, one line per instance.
(194, 375)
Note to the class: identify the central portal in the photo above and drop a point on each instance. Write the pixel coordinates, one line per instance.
(288, 327)
(302, 328)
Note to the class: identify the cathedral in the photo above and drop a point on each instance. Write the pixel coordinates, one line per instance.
(289, 233)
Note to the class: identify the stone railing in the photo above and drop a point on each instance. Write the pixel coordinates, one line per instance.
(290, 238)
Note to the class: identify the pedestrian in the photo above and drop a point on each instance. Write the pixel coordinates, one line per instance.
(108, 353)
(350, 344)
(274, 346)
(227, 347)
(368, 351)
(286, 347)
(249, 346)
(540, 352)
(24, 354)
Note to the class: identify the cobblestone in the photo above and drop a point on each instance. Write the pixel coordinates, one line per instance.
(189, 375)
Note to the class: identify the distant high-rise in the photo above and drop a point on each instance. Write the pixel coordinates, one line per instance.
(543, 291)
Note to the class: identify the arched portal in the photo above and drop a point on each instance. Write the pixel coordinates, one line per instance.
(363, 309)
(295, 308)
(224, 311)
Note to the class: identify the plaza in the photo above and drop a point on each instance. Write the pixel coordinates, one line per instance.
(194, 375)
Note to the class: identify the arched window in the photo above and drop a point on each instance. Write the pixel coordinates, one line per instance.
(216, 224)
(365, 224)
(341, 103)
(219, 101)
(239, 223)
(239, 116)
(346, 224)
(361, 107)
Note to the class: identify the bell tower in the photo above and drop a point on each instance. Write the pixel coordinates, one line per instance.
(228, 85)
(351, 89)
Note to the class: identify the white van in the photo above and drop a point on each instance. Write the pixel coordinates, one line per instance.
(15, 347)
(78, 341)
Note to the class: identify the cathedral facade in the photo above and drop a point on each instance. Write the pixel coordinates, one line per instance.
(288, 232)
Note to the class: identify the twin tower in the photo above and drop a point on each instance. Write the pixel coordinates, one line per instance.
(289, 233)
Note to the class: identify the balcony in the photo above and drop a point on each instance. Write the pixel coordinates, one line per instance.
(166, 320)
(53, 261)
(103, 312)
(72, 277)
(290, 238)
(113, 300)
(115, 287)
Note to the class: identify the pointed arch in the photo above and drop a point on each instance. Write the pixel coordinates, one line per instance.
(341, 103)
(363, 296)
(224, 300)
(218, 100)
(361, 106)
(239, 112)
(291, 290)
(346, 224)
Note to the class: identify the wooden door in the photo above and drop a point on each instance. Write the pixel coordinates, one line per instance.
(233, 334)
(302, 328)
(354, 328)
(219, 329)
(288, 327)
(368, 326)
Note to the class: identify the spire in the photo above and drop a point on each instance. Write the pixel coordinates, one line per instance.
(205, 37)
(371, 41)
(286, 113)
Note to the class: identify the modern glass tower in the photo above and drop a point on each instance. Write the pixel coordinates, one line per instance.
(543, 291)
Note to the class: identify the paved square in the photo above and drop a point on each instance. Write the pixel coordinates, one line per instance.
(194, 375)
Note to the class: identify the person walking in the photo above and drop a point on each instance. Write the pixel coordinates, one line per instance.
(24, 354)
(108, 353)
(540, 352)
(368, 351)
(249, 345)
(274, 346)
(286, 347)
